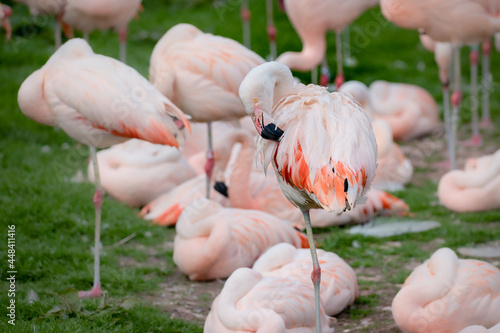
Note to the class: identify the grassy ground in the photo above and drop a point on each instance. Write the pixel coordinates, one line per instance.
(53, 216)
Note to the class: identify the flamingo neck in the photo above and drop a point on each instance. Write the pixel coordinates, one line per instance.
(481, 177)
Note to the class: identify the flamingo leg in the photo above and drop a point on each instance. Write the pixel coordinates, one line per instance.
(86, 36)
(456, 99)
(271, 30)
(486, 84)
(476, 137)
(314, 75)
(96, 289)
(57, 34)
(316, 272)
(245, 16)
(123, 44)
(339, 79)
(209, 166)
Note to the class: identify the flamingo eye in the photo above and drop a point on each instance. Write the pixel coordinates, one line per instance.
(255, 100)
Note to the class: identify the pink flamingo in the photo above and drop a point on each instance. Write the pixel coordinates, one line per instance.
(186, 60)
(136, 172)
(473, 189)
(312, 19)
(339, 283)
(93, 15)
(5, 13)
(446, 294)
(321, 159)
(98, 101)
(213, 241)
(481, 329)
(250, 302)
(458, 22)
(53, 8)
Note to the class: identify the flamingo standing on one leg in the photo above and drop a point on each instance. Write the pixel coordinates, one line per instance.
(50, 7)
(98, 101)
(446, 294)
(91, 15)
(5, 13)
(321, 145)
(201, 74)
(312, 19)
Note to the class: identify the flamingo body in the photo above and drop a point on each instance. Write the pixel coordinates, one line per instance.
(339, 286)
(250, 302)
(213, 241)
(446, 294)
(481, 329)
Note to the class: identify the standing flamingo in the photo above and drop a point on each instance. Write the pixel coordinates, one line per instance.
(446, 294)
(50, 7)
(186, 60)
(312, 19)
(456, 21)
(321, 145)
(5, 13)
(250, 302)
(98, 101)
(90, 15)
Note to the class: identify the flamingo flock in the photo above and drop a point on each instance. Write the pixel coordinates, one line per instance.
(333, 155)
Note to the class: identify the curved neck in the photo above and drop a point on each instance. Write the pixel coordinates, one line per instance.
(479, 178)
(311, 56)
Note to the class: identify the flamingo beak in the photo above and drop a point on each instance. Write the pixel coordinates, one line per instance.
(265, 125)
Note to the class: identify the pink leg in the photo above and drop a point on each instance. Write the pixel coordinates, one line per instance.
(446, 112)
(209, 166)
(96, 289)
(325, 77)
(339, 79)
(316, 272)
(245, 16)
(123, 44)
(486, 85)
(271, 30)
(476, 137)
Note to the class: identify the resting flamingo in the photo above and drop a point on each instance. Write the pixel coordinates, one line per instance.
(321, 145)
(481, 329)
(93, 99)
(312, 19)
(136, 172)
(186, 60)
(213, 241)
(339, 283)
(473, 189)
(5, 13)
(90, 15)
(250, 302)
(446, 294)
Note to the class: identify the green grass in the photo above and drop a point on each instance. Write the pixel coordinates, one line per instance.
(54, 217)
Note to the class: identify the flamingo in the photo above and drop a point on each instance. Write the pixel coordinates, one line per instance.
(473, 189)
(213, 241)
(250, 302)
(186, 60)
(5, 13)
(91, 15)
(446, 294)
(98, 101)
(312, 19)
(321, 145)
(136, 172)
(339, 285)
(481, 329)
(457, 22)
(53, 8)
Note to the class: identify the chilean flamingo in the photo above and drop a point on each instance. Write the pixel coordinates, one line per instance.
(312, 19)
(481, 329)
(186, 60)
(446, 294)
(473, 189)
(90, 15)
(321, 145)
(455, 21)
(250, 302)
(53, 8)
(5, 13)
(339, 282)
(136, 172)
(213, 241)
(98, 101)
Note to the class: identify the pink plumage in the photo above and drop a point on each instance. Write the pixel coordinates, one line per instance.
(446, 294)
(213, 241)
